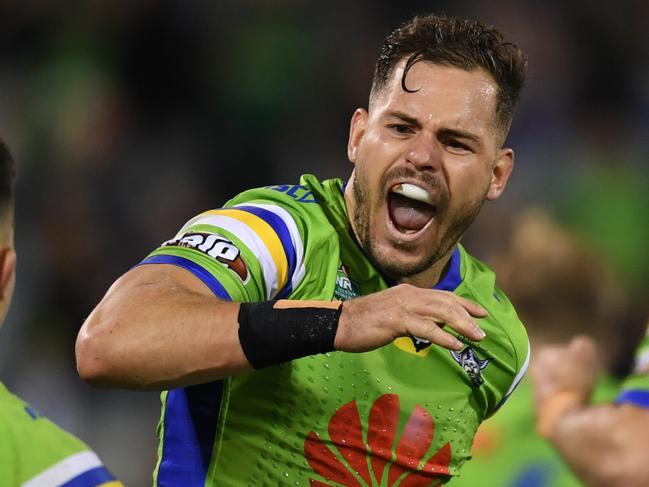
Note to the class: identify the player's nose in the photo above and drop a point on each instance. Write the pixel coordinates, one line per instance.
(424, 153)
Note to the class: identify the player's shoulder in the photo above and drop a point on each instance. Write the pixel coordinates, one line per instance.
(269, 237)
(302, 205)
(479, 280)
(19, 418)
(42, 453)
(304, 198)
(14, 410)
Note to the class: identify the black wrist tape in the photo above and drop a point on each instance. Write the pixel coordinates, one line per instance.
(273, 332)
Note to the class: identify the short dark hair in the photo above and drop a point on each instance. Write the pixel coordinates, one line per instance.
(7, 177)
(466, 44)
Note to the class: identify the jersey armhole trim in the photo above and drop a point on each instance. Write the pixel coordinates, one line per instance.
(517, 380)
(208, 279)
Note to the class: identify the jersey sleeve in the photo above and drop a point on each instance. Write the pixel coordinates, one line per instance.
(250, 250)
(635, 388)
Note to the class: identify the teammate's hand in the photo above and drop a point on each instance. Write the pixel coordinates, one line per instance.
(375, 320)
(565, 368)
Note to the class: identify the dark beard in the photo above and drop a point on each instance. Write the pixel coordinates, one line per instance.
(393, 270)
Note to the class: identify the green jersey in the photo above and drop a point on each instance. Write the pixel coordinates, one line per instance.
(635, 388)
(401, 415)
(34, 452)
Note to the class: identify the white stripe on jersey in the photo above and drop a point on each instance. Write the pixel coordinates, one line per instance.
(250, 238)
(66, 470)
(521, 373)
(298, 273)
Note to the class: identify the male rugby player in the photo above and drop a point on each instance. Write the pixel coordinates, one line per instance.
(324, 333)
(34, 451)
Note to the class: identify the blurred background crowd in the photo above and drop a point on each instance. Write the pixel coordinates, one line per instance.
(127, 118)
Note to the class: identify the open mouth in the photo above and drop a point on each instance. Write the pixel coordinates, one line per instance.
(410, 207)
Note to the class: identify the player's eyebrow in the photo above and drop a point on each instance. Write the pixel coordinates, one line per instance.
(447, 132)
(405, 117)
(461, 134)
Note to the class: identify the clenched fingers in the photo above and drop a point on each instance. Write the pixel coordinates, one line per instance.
(447, 309)
(434, 334)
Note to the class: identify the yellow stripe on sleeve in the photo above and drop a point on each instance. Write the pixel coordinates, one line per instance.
(266, 233)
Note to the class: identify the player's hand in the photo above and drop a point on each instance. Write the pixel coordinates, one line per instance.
(371, 321)
(571, 368)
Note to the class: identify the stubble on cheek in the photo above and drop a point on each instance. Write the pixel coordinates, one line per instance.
(361, 217)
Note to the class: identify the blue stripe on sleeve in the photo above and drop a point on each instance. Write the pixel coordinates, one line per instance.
(636, 397)
(90, 478)
(280, 228)
(208, 279)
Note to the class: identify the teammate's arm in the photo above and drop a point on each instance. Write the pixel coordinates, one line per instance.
(604, 445)
(160, 327)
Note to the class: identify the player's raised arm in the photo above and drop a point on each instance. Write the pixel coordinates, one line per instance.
(160, 327)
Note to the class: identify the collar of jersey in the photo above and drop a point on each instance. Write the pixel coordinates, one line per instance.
(451, 278)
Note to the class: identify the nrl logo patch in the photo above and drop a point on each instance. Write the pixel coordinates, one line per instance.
(345, 287)
(471, 363)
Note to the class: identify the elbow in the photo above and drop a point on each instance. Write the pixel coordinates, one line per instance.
(93, 354)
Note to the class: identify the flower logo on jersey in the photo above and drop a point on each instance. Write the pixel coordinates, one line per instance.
(360, 464)
(217, 247)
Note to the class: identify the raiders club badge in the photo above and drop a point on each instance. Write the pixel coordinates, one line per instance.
(471, 363)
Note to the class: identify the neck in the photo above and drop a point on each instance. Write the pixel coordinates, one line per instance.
(431, 276)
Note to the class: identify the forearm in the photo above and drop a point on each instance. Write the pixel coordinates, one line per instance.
(605, 445)
(160, 328)
(158, 334)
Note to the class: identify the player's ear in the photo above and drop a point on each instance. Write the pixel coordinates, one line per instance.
(500, 173)
(7, 272)
(356, 132)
